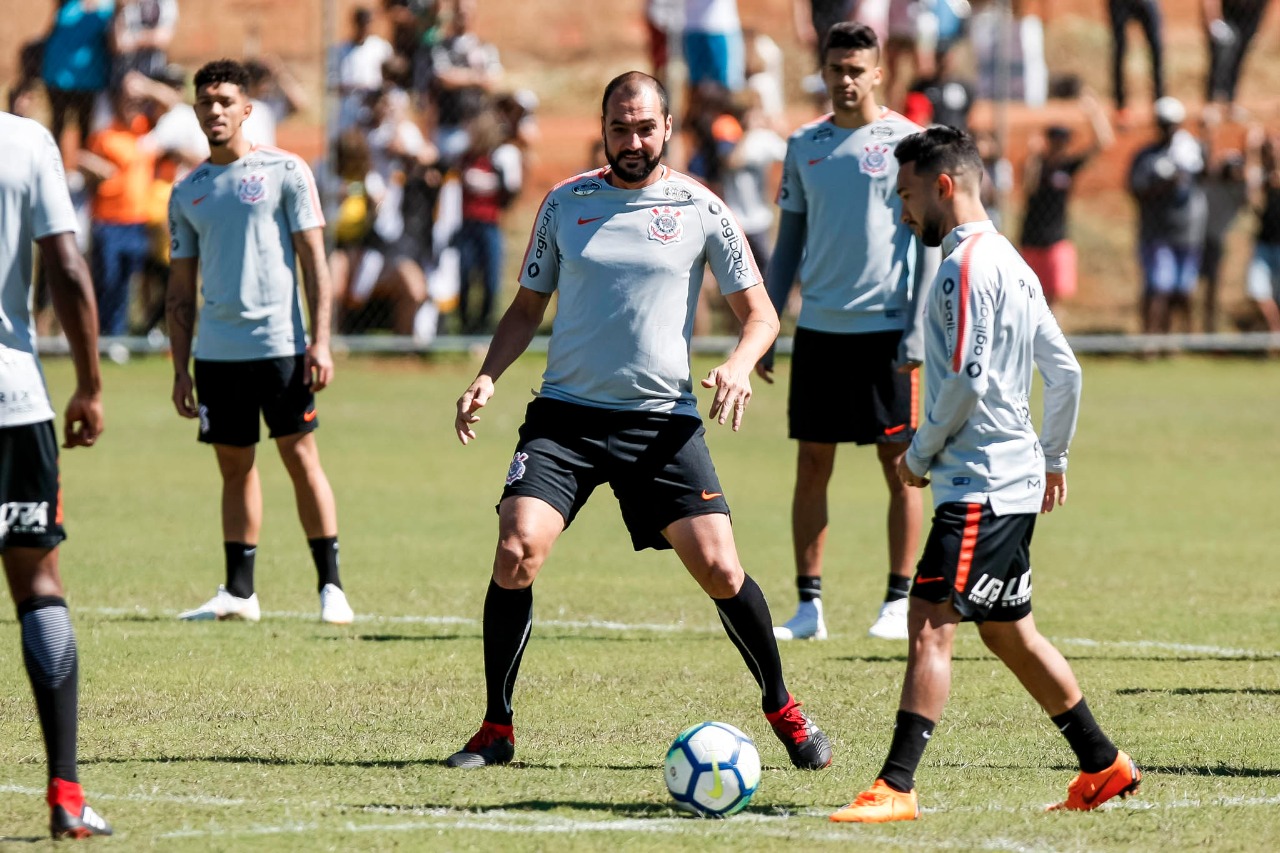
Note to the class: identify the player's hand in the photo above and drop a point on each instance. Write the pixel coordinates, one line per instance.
(184, 395)
(764, 369)
(83, 422)
(476, 397)
(317, 366)
(911, 478)
(1055, 491)
(733, 392)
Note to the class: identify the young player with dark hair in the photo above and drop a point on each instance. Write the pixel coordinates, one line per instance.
(862, 280)
(988, 327)
(248, 218)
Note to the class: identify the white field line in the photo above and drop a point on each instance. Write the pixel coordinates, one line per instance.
(681, 627)
(192, 800)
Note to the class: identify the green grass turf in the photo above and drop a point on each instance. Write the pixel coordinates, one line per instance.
(1158, 579)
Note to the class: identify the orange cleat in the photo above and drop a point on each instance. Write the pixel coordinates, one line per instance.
(880, 804)
(1090, 790)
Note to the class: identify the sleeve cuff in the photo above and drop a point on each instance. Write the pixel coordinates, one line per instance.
(1055, 464)
(917, 463)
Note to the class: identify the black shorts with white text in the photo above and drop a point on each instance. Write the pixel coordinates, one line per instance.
(980, 560)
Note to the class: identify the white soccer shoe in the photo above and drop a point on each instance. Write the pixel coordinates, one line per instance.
(892, 622)
(807, 624)
(224, 605)
(334, 608)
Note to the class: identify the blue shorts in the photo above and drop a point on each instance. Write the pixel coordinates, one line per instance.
(1169, 270)
(718, 57)
(1262, 282)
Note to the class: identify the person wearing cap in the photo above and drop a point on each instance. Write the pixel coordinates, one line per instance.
(1164, 180)
(1050, 177)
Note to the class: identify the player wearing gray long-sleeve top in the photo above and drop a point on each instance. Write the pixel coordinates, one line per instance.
(988, 326)
(863, 280)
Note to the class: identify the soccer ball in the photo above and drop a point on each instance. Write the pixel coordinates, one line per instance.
(712, 769)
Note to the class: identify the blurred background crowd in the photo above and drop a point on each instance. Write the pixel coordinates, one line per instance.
(1142, 186)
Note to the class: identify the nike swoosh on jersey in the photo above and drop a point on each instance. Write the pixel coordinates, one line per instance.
(710, 496)
(582, 221)
(196, 201)
(818, 160)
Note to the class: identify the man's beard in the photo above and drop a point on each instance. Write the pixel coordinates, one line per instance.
(632, 176)
(931, 233)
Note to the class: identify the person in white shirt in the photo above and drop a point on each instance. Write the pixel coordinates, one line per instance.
(987, 326)
(355, 69)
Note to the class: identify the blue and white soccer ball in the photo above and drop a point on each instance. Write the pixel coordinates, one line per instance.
(712, 769)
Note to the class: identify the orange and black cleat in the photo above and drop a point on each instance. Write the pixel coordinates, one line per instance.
(70, 816)
(880, 804)
(1090, 790)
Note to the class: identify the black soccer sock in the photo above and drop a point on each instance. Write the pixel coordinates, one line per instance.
(240, 560)
(748, 623)
(911, 733)
(324, 553)
(810, 588)
(1093, 749)
(508, 621)
(898, 588)
(49, 651)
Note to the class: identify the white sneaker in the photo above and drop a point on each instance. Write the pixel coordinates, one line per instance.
(334, 608)
(892, 622)
(807, 624)
(224, 605)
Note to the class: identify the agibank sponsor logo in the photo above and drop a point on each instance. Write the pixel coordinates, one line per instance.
(733, 242)
(542, 238)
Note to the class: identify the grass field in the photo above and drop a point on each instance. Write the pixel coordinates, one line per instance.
(1159, 582)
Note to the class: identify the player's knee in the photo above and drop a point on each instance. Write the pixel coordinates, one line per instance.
(721, 580)
(815, 462)
(517, 562)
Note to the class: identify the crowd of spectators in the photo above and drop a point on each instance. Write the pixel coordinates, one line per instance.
(426, 147)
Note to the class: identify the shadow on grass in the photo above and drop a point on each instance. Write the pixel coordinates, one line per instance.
(23, 839)
(1201, 691)
(630, 810)
(371, 764)
(1211, 770)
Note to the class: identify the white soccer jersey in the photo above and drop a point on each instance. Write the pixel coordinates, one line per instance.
(34, 203)
(239, 219)
(987, 324)
(628, 266)
(859, 260)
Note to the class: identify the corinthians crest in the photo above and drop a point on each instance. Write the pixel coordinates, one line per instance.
(252, 189)
(666, 226)
(875, 159)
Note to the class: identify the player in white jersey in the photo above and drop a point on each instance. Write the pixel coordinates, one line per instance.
(988, 328)
(246, 220)
(35, 206)
(625, 248)
(863, 283)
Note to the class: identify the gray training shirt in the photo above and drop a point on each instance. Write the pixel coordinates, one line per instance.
(239, 219)
(34, 203)
(860, 260)
(987, 326)
(628, 265)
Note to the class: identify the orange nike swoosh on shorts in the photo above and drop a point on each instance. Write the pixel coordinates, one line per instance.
(309, 415)
(929, 580)
(895, 430)
(710, 496)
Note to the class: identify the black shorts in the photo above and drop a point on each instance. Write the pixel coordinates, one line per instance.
(981, 560)
(657, 464)
(845, 388)
(232, 393)
(30, 495)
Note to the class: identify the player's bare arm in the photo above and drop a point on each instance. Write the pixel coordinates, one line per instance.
(309, 245)
(515, 330)
(732, 379)
(1055, 491)
(72, 292)
(180, 315)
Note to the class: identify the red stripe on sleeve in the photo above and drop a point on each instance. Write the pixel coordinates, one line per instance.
(962, 310)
